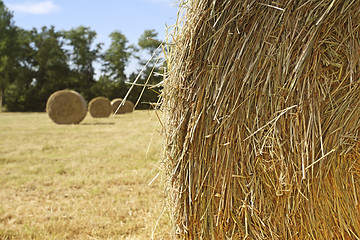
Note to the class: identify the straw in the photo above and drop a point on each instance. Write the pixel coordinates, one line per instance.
(261, 118)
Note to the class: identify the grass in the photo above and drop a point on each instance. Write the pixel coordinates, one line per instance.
(87, 181)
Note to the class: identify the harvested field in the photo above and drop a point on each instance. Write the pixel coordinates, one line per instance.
(85, 181)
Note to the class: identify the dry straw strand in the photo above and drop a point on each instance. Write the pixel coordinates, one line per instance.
(66, 107)
(261, 117)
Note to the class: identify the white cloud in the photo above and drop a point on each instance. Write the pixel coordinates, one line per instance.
(165, 2)
(38, 8)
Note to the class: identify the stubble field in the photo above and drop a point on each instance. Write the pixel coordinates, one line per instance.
(86, 181)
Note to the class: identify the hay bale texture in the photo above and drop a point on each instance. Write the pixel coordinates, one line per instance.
(262, 106)
(66, 107)
(100, 107)
(127, 106)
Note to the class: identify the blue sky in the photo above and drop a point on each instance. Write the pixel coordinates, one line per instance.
(131, 17)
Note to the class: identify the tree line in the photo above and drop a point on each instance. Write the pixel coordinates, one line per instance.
(36, 63)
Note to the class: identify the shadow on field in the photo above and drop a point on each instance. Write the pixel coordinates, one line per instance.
(111, 123)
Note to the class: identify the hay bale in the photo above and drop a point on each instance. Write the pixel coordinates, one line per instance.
(115, 103)
(127, 107)
(261, 120)
(100, 107)
(66, 107)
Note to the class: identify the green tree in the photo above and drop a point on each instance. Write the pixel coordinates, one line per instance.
(53, 71)
(116, 57)
(42, 69)
(109, 88)
(16, 94)
(151, 75)
(148, 41)
(83, 56)
(111, 83)
(7, 48)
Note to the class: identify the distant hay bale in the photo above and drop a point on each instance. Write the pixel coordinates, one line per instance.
(128, 106)
(261, 117)
(100, 107)
(115, 104)
(66, 107)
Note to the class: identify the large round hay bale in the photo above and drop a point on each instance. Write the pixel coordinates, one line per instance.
(261, 116)
(100, 107)
(66, 107)
(126, 108)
